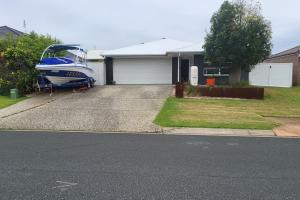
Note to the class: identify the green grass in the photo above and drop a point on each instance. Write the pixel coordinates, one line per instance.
(7, 101)
(228, 113)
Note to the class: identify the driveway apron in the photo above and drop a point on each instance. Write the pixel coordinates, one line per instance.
(126, 108)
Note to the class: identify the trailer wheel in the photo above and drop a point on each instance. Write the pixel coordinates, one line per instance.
(92, 83)
(88, 85)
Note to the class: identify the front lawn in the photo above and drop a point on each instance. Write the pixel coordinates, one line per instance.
(228, 113)
(7, 101)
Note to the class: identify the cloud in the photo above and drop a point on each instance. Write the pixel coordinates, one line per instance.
(116, 23)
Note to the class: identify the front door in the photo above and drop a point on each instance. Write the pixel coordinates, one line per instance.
(184, 70)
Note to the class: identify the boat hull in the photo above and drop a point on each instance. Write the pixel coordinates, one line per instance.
(58, 80)
(61, 75)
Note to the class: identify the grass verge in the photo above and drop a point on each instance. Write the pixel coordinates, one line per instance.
(7, 101)
(229, 113)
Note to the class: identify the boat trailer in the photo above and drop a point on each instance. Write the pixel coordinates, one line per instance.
(43, 84)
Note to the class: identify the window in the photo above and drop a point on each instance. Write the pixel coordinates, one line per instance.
(216, 71)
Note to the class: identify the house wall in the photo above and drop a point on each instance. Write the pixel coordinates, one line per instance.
(174, 70)
(99, 71)
(194, 60)
(191, 62)
(109, 71)
(199, 62)
(149, 70)
(292, 58)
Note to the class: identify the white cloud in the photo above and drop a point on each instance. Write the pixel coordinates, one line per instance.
(116, 23)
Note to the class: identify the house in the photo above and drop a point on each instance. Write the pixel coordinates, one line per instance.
(5, 30)
(163, 61)
(96, 61)
(289, 56)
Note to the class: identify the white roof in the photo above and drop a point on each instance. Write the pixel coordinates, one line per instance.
(94, 55)
(156, 48)
(197, 47)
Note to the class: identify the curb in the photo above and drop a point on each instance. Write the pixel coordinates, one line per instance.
(218, 132)
(162, 132)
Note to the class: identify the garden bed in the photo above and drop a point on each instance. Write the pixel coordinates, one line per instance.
(226, 92)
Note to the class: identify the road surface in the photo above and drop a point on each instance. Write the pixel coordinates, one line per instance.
(40, 165)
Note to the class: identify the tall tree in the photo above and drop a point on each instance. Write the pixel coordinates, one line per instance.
(239, 37)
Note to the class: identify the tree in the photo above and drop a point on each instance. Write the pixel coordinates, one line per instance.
(239, 37)
(18, 57)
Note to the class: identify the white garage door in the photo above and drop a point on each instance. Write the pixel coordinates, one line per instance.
(142, 71)
(272, 74)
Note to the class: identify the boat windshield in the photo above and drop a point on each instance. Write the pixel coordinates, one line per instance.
(60, 54)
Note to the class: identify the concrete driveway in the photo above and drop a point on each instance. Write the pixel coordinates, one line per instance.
(108, 108)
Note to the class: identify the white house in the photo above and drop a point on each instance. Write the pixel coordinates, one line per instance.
(164, 61)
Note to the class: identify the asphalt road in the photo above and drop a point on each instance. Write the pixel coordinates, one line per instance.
(121, 166)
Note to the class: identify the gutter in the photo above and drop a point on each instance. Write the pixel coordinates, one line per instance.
(176, 52)
(134, 56)
(152, 55)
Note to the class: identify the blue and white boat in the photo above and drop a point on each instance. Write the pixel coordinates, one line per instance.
(65, 65)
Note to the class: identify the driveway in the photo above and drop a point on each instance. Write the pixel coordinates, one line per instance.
(290, 127)
(109, 108)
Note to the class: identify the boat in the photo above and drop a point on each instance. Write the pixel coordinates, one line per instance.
(64, 65)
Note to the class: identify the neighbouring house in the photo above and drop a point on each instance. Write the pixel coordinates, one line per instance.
(96, 61)
(5, 30)
(289, 56)
(164, 61)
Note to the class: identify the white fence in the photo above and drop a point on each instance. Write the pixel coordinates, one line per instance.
(272, 74)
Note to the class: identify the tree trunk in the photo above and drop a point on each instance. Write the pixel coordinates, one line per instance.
(235, 75)
(245, 75)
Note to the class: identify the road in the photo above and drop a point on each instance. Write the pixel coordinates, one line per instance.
(40, 165)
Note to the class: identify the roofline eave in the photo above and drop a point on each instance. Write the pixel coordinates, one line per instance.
(182, 52)
(134, 55)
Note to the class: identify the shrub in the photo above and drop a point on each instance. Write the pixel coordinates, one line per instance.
(5, 86)
(18, 57)
(241, 84)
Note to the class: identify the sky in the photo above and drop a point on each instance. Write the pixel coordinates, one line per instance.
(110, 24)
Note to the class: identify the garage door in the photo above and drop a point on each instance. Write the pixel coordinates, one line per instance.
(142, 71)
